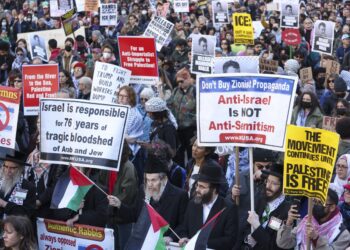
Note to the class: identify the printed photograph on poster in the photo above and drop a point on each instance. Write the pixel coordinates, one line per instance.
(323, 37)
(70, 22)
(236, 64)
(220, 12)
(60, 7)
(203, 51)
(244, 109)
(82, 133)
(290, 14)
(181, 6)
(37, 46)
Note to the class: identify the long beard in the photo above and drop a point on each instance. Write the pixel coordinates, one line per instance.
(154, 195)
(7, 183)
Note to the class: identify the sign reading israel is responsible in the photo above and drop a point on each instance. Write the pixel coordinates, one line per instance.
(248, 110)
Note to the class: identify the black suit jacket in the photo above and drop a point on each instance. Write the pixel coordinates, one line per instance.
(223, 235)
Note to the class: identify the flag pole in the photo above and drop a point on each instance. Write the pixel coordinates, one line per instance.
(174, 233)
(91, 181)
(237, 172)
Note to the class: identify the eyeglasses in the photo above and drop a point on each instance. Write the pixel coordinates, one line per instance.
(17, 80)
(330, 80)
(341, 166)
(9, 167)
(143, 99)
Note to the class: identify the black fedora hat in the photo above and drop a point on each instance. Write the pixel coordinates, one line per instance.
(210, 172)
(17, 157)
(276, 170)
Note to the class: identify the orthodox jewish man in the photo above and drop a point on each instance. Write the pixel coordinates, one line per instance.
(17, 195)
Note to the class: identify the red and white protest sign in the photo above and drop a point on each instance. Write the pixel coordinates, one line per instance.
(9, 106)
(38, 81)
(138, 54)
(291, 36)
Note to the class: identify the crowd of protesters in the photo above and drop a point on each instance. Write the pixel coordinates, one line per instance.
(162, 163)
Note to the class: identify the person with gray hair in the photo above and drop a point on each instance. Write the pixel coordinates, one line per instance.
(145, 95)
(85, 84)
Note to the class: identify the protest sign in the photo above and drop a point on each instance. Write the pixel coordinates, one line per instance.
(273, 5)
(329, 123)
(91, 5)
(60, 7)
(57, 34)
(82, 133)
(236, 64)
(257, 28)
(108, 14)
(37, 47)
(39, 81)
(323, 38)
(291, 36)
(290, 14)
(268, 65)
(80, 5)
(306, 75)
(181, 6)
(242, 29)
(332, 67)
(160, 29)
(53, 234)
(70, 22)
(9, 106)
(310, 155)
(138, 54)
(244, 109)
(203, 52)
(107, 80)
(220, 12)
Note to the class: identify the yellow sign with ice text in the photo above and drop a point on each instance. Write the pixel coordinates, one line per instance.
(309, 159)
(243, 32)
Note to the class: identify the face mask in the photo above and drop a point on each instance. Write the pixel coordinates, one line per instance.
(106, 55)
(68, 48)
(275, 29)
(144, 12)
(319, 212)
(47, 19)
(306, 105)
(123, 12)
(341, 111)
(320, 81)
(20, 57)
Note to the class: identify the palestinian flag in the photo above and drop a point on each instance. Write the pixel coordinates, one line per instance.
(200, 240)
(70, 190)
(147, 234)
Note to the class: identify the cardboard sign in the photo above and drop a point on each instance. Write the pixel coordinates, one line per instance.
(268, 65)
(107, 80)
(160, 29)
(329, 123)
(83, 133)
(91, 5)
(54, 234)
(138, 54)
(332, 67)
(245, 110)
(291, 36)
(108, 14)
(306, 75)
(70, 22)
(242, 29)
(9, 106)
(39, 81)
(181, 6)
(309, 159)
(59, 7)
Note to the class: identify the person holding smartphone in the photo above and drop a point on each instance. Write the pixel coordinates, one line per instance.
(326, 229)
